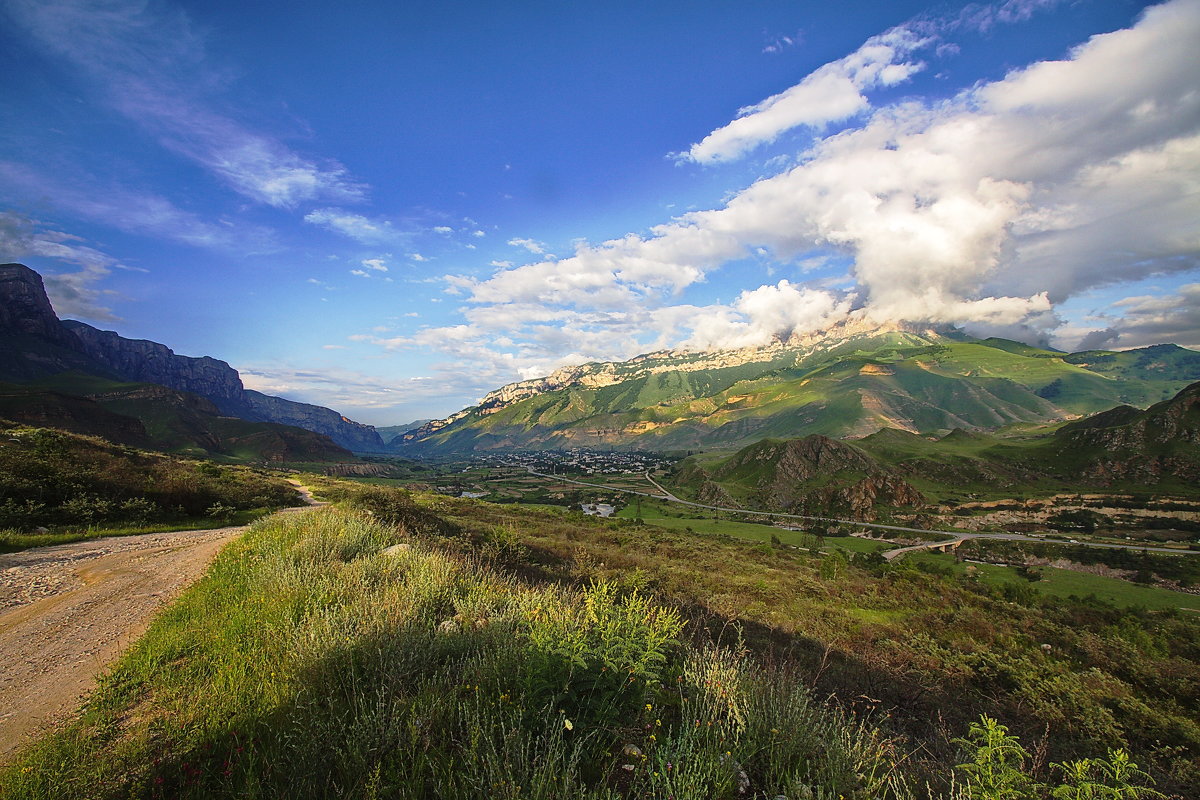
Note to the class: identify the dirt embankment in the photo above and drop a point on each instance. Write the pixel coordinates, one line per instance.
(68, 611)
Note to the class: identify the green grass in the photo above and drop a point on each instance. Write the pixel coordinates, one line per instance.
(508, 652)
(1066, 583)
(661, 515)
(310, 663)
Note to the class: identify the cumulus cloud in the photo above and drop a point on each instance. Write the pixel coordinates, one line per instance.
(767, 313)
(376, 264)
(148, 61)
(986, 209)
(832, 93)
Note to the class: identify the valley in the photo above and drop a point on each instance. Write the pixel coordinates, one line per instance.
(909, 530)
(589, 401)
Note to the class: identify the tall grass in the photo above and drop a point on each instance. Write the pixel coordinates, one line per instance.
(318, 659)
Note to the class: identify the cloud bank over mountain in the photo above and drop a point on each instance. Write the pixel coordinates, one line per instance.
(987, 209)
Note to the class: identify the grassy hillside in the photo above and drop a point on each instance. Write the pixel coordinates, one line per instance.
(76, 486)
(1151, 452)
(443, 648)
(849, 389)
(159, 418)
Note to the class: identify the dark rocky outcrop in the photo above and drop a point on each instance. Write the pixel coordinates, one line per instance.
(816, 475)
(150, 362)
(714, 494)
(35, 344)
(25, 308)
(1125, 445)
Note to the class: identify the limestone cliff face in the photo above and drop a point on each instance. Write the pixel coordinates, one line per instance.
(25, 308)
(150, 362)
(42, 345)
(595, 375)
(346, 432)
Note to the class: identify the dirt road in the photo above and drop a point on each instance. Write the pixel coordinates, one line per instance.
(67, 612)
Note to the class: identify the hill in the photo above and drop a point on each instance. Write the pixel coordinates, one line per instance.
(155, 417)
(845, 383)
(35, 346)
(74, 486)
(1122, 449)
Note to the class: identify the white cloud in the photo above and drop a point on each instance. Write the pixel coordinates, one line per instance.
(135, 212)
(832, 93)
(73, 294)
(987, 209)
(767, 313)
(1148, 319)
(985, 17)
(360, 273)
(779, 43)
(149, 63)
(356, 226)
(537, 248)
(376, 264)
(442, 229)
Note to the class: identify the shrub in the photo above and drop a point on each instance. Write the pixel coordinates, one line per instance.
(600, 659)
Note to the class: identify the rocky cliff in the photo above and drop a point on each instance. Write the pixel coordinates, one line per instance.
(1143, 447)
(25, 308)
(37, 344)
(150, 362)
(598, 375)
(346, 432)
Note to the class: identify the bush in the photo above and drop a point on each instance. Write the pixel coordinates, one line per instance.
(599, 660)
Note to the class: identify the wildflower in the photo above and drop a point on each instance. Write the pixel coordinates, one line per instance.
(649, 707)
(568, 724)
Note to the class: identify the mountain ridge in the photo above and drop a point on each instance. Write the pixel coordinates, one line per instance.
(38, 344)
(845, 383)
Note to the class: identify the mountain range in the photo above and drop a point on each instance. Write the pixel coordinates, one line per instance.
(1124, 449)
(70, 374)
(845, 383)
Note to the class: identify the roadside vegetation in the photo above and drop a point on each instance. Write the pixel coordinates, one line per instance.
(419, 646)
(58, 487)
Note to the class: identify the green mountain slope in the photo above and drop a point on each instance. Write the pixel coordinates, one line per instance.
(158, 418)
(1125, 449)
(843, 386)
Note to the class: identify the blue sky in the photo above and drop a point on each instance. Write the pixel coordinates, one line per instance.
(391, 209)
